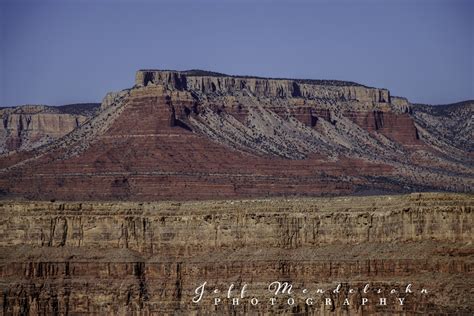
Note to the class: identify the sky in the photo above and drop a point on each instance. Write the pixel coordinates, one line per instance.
(72, 51)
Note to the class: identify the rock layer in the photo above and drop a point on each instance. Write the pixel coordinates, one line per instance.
(198, 135)
(262, 87)
(110, 258)
(31, 126)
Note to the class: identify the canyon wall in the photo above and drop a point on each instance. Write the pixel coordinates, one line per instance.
(110, 257)
(28, 127)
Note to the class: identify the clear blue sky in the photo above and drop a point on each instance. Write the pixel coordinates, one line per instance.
(66, 51)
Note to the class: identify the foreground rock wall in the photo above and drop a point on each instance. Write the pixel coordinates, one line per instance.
(150, 257)
(188, 227)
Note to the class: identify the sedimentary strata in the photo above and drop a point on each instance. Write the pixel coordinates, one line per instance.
(110, 257)
(31, 126)
(200, 135)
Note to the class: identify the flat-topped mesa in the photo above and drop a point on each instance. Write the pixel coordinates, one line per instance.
(170, 140)
(216, 83)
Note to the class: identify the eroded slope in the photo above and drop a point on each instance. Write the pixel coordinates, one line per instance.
(198, 135)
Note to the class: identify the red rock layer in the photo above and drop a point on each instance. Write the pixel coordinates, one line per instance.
(397, 127)
(240, 139)
(148, 153)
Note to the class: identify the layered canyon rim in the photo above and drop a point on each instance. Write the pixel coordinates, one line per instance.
(148, 258)
(204, 135)
(127, 206)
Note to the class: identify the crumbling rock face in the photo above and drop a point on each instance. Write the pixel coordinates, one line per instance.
(111, 99)
(109, 258)
(400, 104)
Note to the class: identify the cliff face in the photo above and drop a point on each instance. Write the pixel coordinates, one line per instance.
(150, 257)
(262, 87)
(28, 127)
(199, 135)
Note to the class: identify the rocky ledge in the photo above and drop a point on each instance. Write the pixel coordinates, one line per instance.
(216, 83)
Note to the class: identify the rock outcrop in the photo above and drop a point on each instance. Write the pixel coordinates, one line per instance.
(212, 83)
(200, 135)
(31, 126)
(123, 258)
